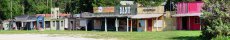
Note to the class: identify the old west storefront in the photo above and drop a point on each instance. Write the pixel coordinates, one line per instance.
(111, 18)
(188, 15)
(148, 19)
(125, 18)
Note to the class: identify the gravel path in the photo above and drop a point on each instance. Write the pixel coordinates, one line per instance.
(39, 37)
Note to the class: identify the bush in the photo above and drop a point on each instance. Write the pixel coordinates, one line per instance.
(215, 19)
(213, 26)
(221, 38)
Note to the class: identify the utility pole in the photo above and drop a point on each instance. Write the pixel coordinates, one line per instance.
(47, 4)
(11, 9)
(11, 19)
(51, 3)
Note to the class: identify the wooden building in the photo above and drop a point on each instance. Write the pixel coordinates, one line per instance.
(111, 18)
(188, 15)
(148, 18)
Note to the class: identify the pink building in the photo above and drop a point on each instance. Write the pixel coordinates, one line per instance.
(188, 15)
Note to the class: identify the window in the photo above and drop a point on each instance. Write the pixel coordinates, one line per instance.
(197, 20)
(198, 0)
(47, 24)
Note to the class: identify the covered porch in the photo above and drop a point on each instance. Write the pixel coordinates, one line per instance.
(26, 22)
(188, 21)
(107, 24)
(147, 22)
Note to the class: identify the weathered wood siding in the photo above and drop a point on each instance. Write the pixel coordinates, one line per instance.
(144, 10)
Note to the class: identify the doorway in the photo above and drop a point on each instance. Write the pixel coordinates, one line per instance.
(141, 25)
(57, 25)
(149, 27)
(184, 23)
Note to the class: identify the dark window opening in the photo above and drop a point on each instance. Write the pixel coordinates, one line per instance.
(198, 0)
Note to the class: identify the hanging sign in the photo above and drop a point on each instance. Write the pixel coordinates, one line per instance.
(103, 9)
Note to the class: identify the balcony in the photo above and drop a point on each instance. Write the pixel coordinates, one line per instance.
(189, 7)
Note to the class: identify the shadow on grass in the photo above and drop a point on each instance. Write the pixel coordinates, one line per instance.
(187, 38)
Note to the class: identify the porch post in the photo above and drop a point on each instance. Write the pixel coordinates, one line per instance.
(156, 21)
(127, 25)
(152, 24)
(116, 24)
(63, 24)
(51, 25)
(189, 25)
(145, 25)
(59, 25)
(138, 25)
(131, 25)
(86, 26)
(22, 24)
(44, 25)
(105, 25)
(180, 18)
(55, 25)
(31, 25)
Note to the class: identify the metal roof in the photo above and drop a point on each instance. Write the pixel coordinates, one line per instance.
(25, 18)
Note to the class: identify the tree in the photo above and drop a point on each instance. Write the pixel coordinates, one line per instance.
(150, 2)
(216, 18)
(8, 6)
(97, 3)
(36, 6)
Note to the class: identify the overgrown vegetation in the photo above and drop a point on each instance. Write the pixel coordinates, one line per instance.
(97, 3)
(216, 19)
(147, 3)
(30, 7)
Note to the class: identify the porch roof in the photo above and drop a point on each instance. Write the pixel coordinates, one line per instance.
(187, 14)
(25, 18)
(139, 16)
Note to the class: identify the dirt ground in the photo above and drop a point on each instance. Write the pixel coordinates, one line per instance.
(40, 37)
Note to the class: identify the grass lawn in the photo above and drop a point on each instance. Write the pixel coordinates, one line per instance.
(165, 35)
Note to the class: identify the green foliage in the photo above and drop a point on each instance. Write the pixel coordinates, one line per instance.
(215, 19)
(5, 8)
(150, 2)
(221, 38)
(31, 7)
(97, 3)
(37, 7)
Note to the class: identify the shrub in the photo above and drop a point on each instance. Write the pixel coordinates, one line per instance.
(221, 38)
(215, 19)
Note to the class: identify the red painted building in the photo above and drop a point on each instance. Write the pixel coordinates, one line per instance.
(187, 15)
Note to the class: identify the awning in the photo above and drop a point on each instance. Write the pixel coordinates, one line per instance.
(187, 14)
(139, 16)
